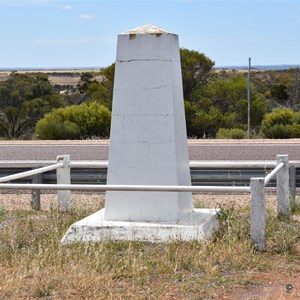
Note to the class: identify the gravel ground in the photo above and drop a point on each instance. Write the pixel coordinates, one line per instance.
(94, 201)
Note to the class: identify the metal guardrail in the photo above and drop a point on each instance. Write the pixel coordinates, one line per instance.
(200, 176)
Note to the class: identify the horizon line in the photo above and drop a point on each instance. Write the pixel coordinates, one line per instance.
(98, 67)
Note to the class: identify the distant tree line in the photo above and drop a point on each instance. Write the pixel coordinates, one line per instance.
(215, 103)
(24, 100)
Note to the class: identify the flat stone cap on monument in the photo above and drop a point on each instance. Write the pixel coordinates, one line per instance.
(146, 29)
(147, 42)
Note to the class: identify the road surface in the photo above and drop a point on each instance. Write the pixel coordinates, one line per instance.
(198, 149)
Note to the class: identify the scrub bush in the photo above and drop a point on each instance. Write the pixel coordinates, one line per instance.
(281, 123)
(231, 133)
(75, 122)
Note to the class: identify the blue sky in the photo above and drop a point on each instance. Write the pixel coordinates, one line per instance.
(83, 33)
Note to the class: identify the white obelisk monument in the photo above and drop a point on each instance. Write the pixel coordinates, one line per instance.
(148, 146)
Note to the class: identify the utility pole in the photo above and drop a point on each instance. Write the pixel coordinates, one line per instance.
(248, 96)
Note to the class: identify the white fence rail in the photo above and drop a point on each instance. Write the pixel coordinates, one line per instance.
(125, 188)
(31, 173)
(257, 186)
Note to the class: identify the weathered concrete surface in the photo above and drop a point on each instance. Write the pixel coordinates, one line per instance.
(64, 177)
(148, 146)
(283, 187)
(94, 228)
(258, 213)
(148, 142)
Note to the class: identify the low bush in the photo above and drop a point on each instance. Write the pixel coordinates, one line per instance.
(75, 122)
(281, 123)
(281, 131)
(231, 133)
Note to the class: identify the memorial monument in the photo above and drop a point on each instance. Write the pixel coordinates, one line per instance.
(148, 146)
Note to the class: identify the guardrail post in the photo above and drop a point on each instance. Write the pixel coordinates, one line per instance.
(36, 194)
(64, 177)
(258, 213)
(282, 177)
(292, 173)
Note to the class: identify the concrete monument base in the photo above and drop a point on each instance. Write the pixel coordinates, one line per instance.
(148, 147)
(95, 228)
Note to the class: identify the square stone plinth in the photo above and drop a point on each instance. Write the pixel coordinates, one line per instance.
(95, 229)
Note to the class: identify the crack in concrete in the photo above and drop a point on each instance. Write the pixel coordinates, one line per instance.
(142, 115)
(144, 59)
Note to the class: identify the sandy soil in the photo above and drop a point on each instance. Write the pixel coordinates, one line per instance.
(22, 201)
(95, 201)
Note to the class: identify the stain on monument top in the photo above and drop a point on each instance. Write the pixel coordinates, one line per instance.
(146, 29)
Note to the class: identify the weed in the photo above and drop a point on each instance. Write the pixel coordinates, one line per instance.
(2, 214)
(34, 264)
(282, 235)
(199, 204)
(41, 293)
(295, 209)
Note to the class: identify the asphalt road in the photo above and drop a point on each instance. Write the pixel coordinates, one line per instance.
(244, 151)
(198, 150)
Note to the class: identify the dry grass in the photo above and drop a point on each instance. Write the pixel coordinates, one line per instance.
(33, 263)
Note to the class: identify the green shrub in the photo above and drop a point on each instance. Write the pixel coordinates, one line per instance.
(296, 117)
(280, 131)
(56, 129)
(278, 116)
(75, 122)
(281, 123)
(231, 133)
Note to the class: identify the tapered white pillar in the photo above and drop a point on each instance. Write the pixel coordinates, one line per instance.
(148, 146)
(148, 142)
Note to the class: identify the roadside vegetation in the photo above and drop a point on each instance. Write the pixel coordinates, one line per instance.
(216, 104)
(34, 265)
(25, 99)
(82, 121)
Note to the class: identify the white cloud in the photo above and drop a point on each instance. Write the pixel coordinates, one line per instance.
(87, 17)
(67, 7)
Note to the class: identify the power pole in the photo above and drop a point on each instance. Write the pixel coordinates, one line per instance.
(248, 96)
